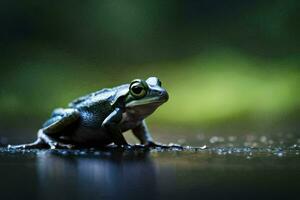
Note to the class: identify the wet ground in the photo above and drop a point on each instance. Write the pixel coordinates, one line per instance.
(241, 166)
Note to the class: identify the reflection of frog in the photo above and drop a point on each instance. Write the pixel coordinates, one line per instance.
(100, 118)
(95, 175)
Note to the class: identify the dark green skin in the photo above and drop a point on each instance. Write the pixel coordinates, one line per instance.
(100, 118)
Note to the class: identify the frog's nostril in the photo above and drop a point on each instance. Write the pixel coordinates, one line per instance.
(163, 95)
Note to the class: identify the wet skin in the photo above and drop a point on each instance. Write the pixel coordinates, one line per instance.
(100, 118)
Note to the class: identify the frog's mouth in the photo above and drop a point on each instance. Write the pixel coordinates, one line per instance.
(150, 101)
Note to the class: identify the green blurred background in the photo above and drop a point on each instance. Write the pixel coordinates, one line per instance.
(223, 62)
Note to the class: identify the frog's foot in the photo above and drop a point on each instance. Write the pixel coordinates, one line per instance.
(59, 145)
(38, 144)
(155, 145)
(175, 146)
(125, 146)
(52, 142)
(163, 146)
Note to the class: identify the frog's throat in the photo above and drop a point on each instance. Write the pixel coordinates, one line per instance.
(143, 102)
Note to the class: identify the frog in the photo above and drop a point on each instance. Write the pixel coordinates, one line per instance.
(100, 118)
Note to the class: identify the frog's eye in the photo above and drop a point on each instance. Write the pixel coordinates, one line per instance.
(154, 81)
(138, 88)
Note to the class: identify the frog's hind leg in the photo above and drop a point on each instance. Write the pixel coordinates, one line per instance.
(38, 144)
(43, 141)
(60, 121)
(52, 142)
(48, 135)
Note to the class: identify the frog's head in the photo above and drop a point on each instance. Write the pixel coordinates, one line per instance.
(145, 96)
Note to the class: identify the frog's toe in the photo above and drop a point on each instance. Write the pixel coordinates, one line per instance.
(177, 146)
(58, 145)
(125, 146)
(15, 147)
(138, 146)
(38, 144)
(53, 143)
(155, 145)
(163, 146)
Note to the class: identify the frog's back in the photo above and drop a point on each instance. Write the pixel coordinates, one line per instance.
(95, 107)
(104, 97)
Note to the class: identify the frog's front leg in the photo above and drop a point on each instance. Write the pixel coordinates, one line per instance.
(142, 133)
(111, 125)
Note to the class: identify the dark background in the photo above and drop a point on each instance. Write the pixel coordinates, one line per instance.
(231, 68)
(223, 62)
